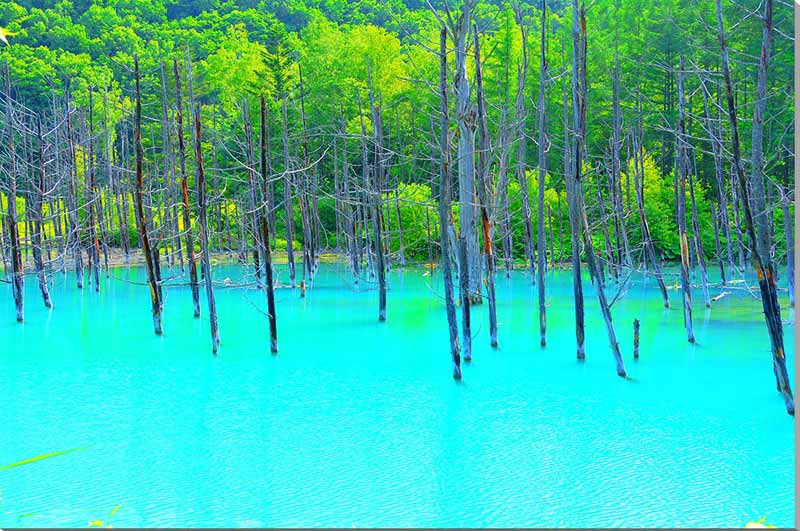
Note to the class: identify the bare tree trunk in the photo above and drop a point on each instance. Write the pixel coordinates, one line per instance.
(287, 195)
(202, 224)
(579, 113)
(93, 244)
(253, 220)
(541, 249)
(484, 186)
(572, 192)
(444, 210)
(698, 241)
(264, 243)
(187, 220)
(39, 190)
(682, 163)
(756, 227)
(789, 237)
(465, 118)
(349, 226)
(17, 268)
(609, 252)
(616, 181)
(377, 183)
(72, 199)
(152, 273)
(722, 196)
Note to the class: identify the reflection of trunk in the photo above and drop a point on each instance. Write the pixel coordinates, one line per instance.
(187, 222)
(444, 210)
(484, 193)
(683, 168)
(756, 226)
(17, 270)
(152, 271)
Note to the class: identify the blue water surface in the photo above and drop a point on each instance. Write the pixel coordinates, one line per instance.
(359, 423)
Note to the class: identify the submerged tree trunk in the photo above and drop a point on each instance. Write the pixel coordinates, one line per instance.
(756, 227)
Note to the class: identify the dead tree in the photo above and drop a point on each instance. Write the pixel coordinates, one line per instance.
(264, 241)
(682, 168)
(484, 186)
(38, 225)
(152, 273)
(647, 239)
(377, 183)
(698, 241)
(287, 194)
(756, 226)
(572, 185)
(579, 113)
(17, 268)
(444, 209)
(92, 243)
(202, 225)
(72, 196)
(541, 249)
(521, 167)
(722, 196)
(187, 220)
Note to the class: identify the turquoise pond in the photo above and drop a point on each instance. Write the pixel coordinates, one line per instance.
(357, 423)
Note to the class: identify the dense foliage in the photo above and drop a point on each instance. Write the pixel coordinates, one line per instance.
(243, 48)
